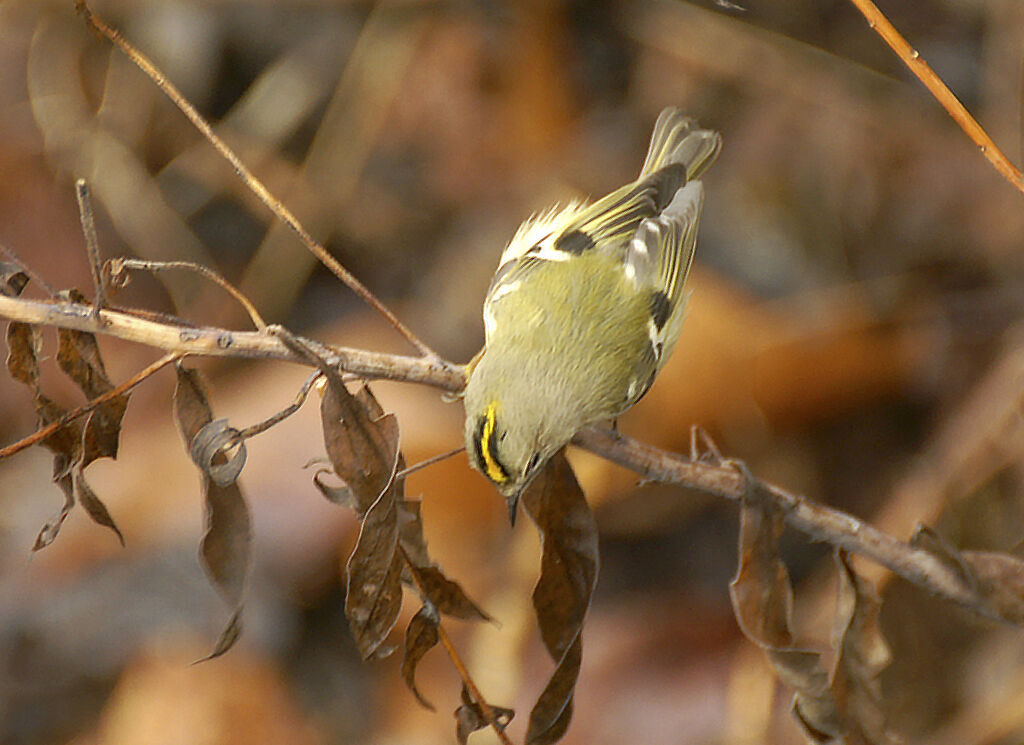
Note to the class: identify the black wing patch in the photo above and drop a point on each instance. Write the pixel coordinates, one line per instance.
(661, 309)
(574, 242)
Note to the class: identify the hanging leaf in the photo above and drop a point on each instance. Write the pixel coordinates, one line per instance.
(93, 505)
(410, 531)
(762, 598)
(374, 569)
(226, 548)
(12, 279)
(469, 717)
(839, 707)
(219, 451)
(862, 654)
(74, 445)
(446, 595)
(78, 355)
(24, 344)
(48, 533)
(421, 635)
(361, 440)
(569, 567)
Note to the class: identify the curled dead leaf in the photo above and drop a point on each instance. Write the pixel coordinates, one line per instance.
(421, 635)
(12, 279)
(469, 717)
(226, 547)
(219, 451)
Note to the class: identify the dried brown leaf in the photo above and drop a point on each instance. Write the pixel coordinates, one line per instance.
(446, 595)
(52, 526)
(93, 505)
(410, 531)
(862, 654)
(227, 542)
(551, 715)
(219, 452)
(12, 279)
(997, 579)
(569, 566)
(231, 633)
(338, 494)
(191, 404)
(103, 430)
(469, 717)
(421, 635)
(374, 570)
(837, 707)
(361, 441)
(65, 443)
(761, 594)
(762, 599)
(78, 355)
(226, 546)
(1000, 578)
(24, 344)
(76, 444)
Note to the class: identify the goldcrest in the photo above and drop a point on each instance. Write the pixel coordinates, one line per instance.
(584, 310)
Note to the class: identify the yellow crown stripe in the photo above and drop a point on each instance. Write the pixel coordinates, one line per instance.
(495, 471)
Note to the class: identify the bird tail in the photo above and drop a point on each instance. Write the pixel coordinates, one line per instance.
(678, 139)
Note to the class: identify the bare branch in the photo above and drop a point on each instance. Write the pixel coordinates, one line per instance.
(916, 64)
(207, 341)
(821, 523)
(913, 563)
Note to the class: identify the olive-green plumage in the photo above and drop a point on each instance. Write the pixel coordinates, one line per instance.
(584, 310)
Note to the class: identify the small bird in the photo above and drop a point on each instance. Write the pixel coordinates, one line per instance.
(584, 310)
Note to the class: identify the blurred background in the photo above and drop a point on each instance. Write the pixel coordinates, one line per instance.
(854, 334)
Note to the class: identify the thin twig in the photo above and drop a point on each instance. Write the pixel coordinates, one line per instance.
(50, 289)
(453, 654)
(280, 416)
(485, 707)
(428, 462)
(161, 266)
(41, 434)
(250, 180)
(913, 60)
(92, 245)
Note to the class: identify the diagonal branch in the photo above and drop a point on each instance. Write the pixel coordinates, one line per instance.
(923, 71)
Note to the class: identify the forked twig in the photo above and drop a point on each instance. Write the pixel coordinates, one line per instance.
(913, 60)
(250, 180)
(116, 265)
(92, 245)
(460, 666)
(41, 434)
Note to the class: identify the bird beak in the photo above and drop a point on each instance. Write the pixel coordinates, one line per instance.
(512, 500)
